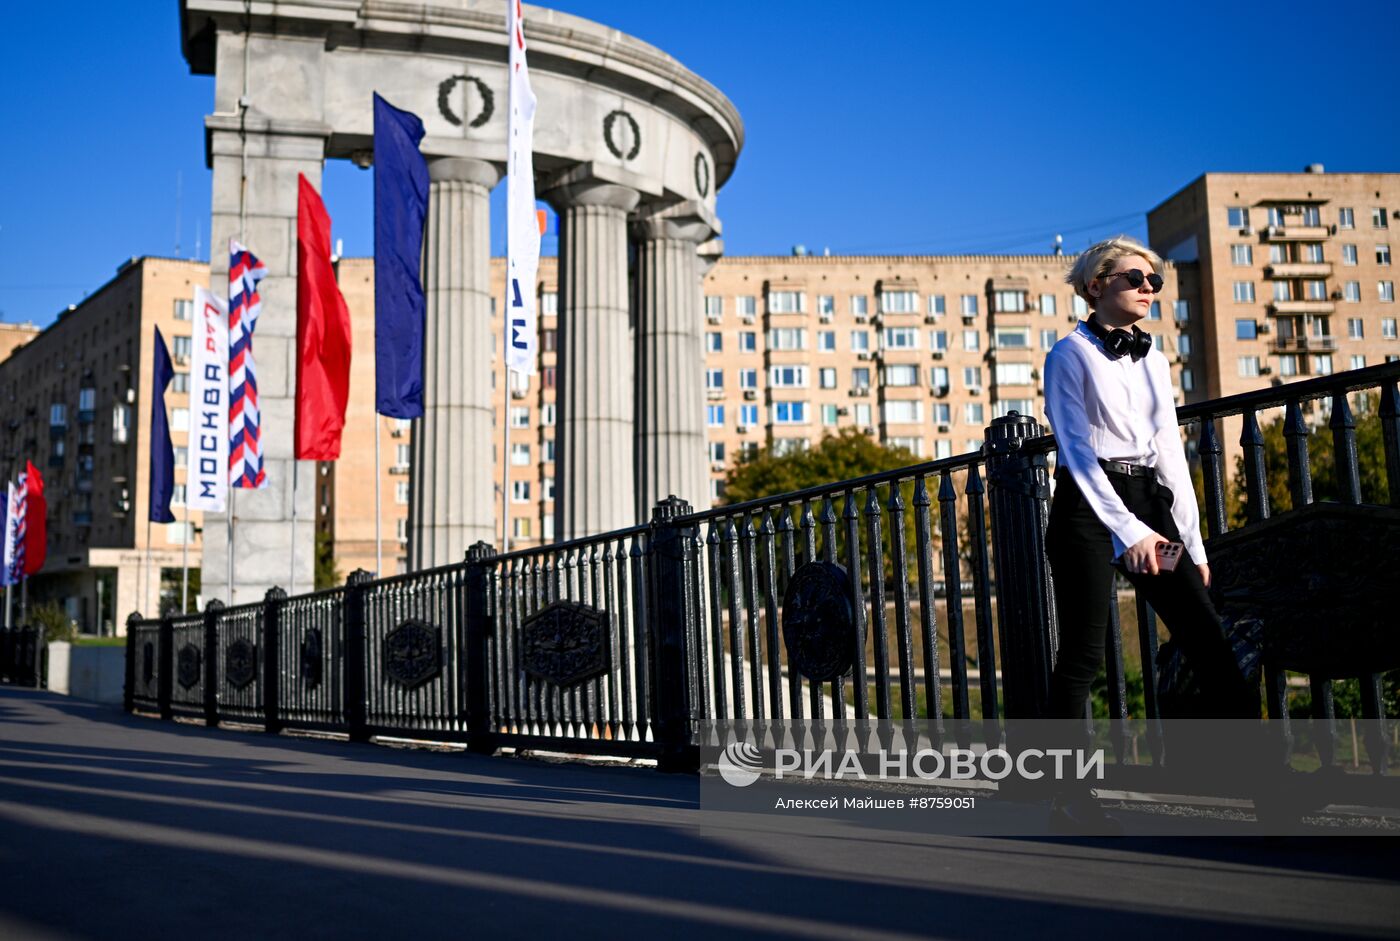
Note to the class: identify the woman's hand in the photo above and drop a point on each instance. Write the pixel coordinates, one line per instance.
(1205, 573)
(1141, 557)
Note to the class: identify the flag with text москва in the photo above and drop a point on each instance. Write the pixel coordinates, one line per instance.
(206, 477)
(323, 335)
(7, 572)
(162, 477)
(245, 462)
(522, 225)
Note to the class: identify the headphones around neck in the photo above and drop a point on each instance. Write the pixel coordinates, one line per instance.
(1119, 343)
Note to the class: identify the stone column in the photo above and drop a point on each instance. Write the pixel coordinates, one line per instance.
(671, 452)
(277, 150)
(593, 454)
(452, 496)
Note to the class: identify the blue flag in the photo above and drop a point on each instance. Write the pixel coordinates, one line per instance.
(162, 454)
(400, 206)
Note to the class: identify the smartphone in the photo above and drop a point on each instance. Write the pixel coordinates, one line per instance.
(1168, 555)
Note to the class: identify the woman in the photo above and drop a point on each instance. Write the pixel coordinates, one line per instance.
(1122, 490)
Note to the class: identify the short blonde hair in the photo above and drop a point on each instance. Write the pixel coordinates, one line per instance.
(1099, 259)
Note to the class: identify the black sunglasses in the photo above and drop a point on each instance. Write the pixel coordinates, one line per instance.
(1135, 279)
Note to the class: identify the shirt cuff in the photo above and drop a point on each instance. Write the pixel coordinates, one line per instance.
(1135, 532)
(1197, 551)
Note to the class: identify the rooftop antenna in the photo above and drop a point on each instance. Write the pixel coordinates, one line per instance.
(1059, 244)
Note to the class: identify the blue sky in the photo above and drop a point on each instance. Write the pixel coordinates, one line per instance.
(913, 127)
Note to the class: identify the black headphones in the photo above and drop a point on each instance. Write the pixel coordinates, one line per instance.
(1120, 343)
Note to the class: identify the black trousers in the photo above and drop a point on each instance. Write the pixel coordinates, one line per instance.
(1080, 550)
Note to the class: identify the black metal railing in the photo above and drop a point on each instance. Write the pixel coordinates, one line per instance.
(23, 659)
(642, 642)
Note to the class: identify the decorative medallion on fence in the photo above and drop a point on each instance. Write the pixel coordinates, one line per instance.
(819, 625)
(566, 643)
(240, 663)
(148, 663)
(311, 659)
(1320, 617)
(187, 670)
(413, 653)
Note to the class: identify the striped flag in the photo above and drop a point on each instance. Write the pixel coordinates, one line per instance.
(245, 461)
(7, 570)
(20, 531)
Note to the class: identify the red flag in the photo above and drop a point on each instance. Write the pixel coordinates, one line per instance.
(323, 334)
(36, 509)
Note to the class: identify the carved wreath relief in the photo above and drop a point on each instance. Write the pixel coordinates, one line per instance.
(819, 626)
(623, 142)
(566, 643)
(483, 114)
(413, 653)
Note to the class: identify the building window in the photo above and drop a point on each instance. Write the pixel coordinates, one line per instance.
(1346, 217)
(1013, 374)
(714, 306)
(184, 309)
(1246, 330)
(903, 413)
(1283, 290)
(969, 305)
(748, 341)
(402, 455)
(1047, 305)
(182, 348)
(1188, 380)
(180, 419)
(401, 492)
(938, 340)
(899, 302)
(829, 414)
(549, 377)
(1358, 361)
(1349, 254)
(1237, 217)
(827, 376)
(972, 378)
(938, 378)
(1386, 291)
(785, 446)
(974, 413)
(942, 413)
(792, 377)
(787, 338)
(1356, 328)
(748, 379)
(826, 305)
(860, 377)
(1241, 254)
(914, 446)
(902, 374)
(548, 448)
(1048, 338)
(972, 341)
(936, 306)
(860, 305)
(942, 448)
(714, 342)
(549, 303)
(1288, 365)
(520, 454)
(1183, 344)
(747, 306)
(1275, 215)
(789, 413)
(1158, 343)
(1010, 302)
(401, 532)
(1155, 311)
(1378, 218)
(547, 413)
(1249, 367)
(1352, 291)
(1019, 406)
(1382, 254)
(1312, 216)
(1016, 339)
(717, 452)
(714, 379)
(1315, 289)
(1244, 292)
(547, 485)
(826, 341)
(714, 415)
(519, 417)
(549, 340)
(520, 491)
(182, 457)
(1322, 364)
(58, 415)
(863, 415)
(1182, 311)
(899, 338)
(1312, 253)
(787, 302)
(748, 415)
(1079, 306)
(860, 341)
(121, 424)
(521, 527)
(181, 383)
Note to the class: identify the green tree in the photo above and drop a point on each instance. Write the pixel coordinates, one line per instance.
(327, 574)
(53, 620)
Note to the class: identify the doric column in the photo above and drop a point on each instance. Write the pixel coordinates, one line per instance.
(593, 453)
(671, 453)
(452, 497)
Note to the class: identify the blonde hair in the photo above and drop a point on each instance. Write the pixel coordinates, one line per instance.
(1099, 259)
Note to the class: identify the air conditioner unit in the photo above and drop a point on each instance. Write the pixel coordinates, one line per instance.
(1337, 295)
(826, 318)
(865, 356)
(930, 318)
(862, 318)
(396, 432)
(1266, 370)
(1332, 229)
(182, 359)
(750, 394)
(1247, 230)
(714, 318)
(717, 465)
(938, 389)
(974, 390)
(746, 318)
(713, 394)
(870, 429)
(518, 393)
(944, 427)
(843, 410)
(969, 318)
(1264, 328)
(742, 429)
(937, 354)
(859, 391)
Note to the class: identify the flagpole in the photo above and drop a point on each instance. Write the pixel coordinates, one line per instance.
(146, 581)
(378, 514)
(185, 564)
(505, 455)
(292, 580)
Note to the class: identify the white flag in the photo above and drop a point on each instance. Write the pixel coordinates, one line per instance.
(522, 225)
(11, 498)
(207, 470)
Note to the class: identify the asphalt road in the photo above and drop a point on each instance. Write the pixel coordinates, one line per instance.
(117, 827)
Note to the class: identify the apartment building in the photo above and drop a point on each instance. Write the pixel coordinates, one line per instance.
(74, 399)
(15, 335)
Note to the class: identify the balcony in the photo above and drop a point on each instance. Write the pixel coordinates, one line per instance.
(1305, 345)
(1295, 233)
(1299, 269)
(1282, 308)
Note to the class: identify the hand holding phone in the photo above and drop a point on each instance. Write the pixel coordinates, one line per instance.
(1168, 555)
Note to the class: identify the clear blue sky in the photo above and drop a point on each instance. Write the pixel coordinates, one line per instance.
(941, 127)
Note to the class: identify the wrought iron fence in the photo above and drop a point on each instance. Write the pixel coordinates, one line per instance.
(843, 614)
(23, 660)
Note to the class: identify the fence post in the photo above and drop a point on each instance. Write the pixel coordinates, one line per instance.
(129, 682)
(1018, 493)
(272, 659)
(356, 661)
(212, 609)
(669, 614)
(165, 662)
(478, 628)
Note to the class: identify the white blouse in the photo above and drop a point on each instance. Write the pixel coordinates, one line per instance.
(1119, 410)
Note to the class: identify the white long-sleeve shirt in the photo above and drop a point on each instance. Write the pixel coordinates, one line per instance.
(1119, 410)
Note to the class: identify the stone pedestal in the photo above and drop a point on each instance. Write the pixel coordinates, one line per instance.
(671, 451)
(593, 455)
(452, 496)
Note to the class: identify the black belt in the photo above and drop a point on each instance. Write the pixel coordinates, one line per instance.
(1126, 469)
